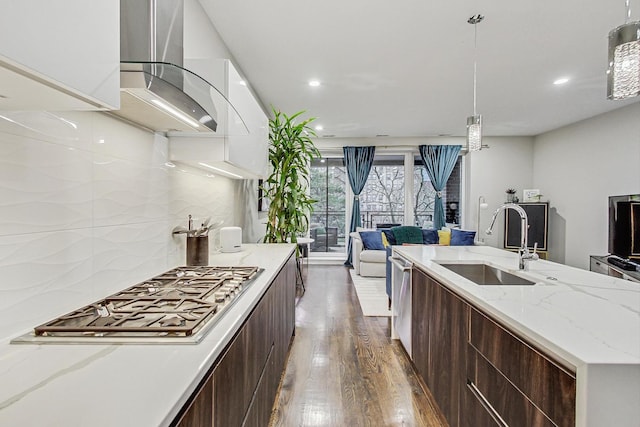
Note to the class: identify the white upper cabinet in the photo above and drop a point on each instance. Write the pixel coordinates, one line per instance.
(250, 151)
(59, 55)
(242, 148)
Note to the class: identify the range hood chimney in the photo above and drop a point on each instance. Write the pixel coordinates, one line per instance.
(156, 91)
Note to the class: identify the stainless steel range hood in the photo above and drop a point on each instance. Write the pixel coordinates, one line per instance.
(156, 91)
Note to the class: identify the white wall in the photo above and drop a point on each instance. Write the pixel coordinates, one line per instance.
(489, 172)
(577, 168)
(87, 205)
(201, 39)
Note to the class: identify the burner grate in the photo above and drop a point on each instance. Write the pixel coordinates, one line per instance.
(177, 303)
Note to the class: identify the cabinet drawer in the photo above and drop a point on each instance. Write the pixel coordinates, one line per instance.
(598, 266)
(475, 412)
(548, 386)
(500, 397)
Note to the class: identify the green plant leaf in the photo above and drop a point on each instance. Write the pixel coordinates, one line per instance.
(290, 154)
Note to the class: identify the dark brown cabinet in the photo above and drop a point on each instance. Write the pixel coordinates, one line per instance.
(520, 382)
(480, 373)
(439, 342)
(241, 389)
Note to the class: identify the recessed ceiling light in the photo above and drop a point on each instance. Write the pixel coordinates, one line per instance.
(319, 127)
(561, 81)
(314, 83)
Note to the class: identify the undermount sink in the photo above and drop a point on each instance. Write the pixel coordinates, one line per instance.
(484, 274)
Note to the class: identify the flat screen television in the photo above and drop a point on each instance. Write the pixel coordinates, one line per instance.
(624, 226)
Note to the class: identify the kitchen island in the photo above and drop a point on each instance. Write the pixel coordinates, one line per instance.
(579, 328)
(154, 384)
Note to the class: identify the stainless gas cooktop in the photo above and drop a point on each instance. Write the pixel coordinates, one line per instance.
(178, 306)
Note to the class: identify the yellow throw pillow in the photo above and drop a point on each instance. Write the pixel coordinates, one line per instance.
(385, 242)
(444, 237)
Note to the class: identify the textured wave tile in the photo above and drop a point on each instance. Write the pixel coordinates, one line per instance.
(201, 196)
(127, 254)
(127, 192)
(43, 186)
(43, 274)
(72, 129)
(114, 138)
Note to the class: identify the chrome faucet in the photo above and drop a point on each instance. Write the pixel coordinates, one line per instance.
(523, 252)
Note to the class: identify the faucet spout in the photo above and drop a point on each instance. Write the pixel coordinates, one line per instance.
(523, 252)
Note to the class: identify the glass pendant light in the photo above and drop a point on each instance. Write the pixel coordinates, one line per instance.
(474, 123)
(623, 74)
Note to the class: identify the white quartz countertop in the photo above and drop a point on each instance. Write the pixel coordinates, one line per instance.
(123, 385)
(581, 317)
(587, 321)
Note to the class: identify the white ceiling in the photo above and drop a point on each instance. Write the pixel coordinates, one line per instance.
(405, 68)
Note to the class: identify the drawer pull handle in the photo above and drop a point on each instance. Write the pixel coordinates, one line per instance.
(485, 403)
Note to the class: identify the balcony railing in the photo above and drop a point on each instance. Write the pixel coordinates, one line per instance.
(371, 219)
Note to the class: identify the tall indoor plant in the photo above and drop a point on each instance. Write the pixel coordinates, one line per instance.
(290, 153)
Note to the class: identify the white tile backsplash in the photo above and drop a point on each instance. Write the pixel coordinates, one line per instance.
(87, 205)
(126, 192)
(127, 254)
(71, 129)
(41, 275)
(43, 186)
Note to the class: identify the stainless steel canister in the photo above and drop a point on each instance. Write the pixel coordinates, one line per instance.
(198, 250)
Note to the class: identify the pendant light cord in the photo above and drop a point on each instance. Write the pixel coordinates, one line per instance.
(475, 65)
(628, 5)
(475, 19)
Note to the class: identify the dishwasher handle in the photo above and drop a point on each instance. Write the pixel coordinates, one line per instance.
(401, 263)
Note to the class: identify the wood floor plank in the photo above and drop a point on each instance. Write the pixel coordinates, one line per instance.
(343, 369)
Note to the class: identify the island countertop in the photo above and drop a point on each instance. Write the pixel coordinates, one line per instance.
(587, 321)
(123, 385)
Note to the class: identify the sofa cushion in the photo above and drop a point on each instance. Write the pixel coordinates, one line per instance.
(372, 240)
(462, 237)
(444, 237)
(430, 236)
(391, 239)
(373, 256)
(373, 269)
(407, 234)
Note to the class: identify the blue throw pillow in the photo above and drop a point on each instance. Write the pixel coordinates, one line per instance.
(391, 239)
(430, 236)
(462, 237)
(372, 240)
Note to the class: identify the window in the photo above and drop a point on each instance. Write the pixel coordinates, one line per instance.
(382, 199)
(328, 187)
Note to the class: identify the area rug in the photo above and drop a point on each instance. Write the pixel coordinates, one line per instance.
(371, 294)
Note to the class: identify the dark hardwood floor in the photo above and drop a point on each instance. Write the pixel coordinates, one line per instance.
(343, 369)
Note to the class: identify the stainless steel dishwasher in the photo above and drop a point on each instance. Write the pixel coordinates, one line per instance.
(401, 300)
